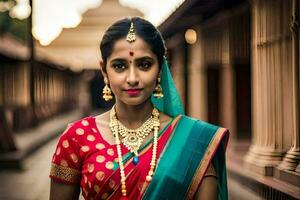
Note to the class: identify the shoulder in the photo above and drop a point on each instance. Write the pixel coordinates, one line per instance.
(207, 133)
(78, 127)
(199, 122)
(203, 127)
(103, 119)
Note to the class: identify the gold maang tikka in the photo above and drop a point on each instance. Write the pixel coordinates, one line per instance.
(131, 35)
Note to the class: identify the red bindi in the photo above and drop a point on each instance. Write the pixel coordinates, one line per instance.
(131, 53)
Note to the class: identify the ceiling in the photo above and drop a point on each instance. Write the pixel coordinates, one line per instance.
(78, 48)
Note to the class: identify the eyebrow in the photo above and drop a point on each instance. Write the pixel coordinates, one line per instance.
(136, 60)
(118, 60)
(144, 58)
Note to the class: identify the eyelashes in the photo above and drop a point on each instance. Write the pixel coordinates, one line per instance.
(143, 65)
(118, 66)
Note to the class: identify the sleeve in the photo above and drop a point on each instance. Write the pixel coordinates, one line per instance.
(66, 161)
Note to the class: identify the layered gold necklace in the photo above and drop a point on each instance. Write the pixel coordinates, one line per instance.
(132, 139)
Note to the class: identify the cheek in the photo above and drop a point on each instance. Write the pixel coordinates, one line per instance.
(115, 83)
(151, 81)
(153, 77)
(115, 80)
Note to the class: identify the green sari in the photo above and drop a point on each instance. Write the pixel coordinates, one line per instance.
(185, 159)
(193, 145)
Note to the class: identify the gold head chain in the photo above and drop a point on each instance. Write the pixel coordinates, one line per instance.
(131, 35)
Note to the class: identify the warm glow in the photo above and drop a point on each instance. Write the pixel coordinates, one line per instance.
(50, 17)
(6, 5)
(47, 34)
(190, 36)
(21, 11)
(155, 11)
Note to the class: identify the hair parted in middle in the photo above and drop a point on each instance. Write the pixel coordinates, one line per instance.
(143, 29)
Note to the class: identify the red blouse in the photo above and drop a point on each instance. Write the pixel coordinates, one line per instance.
(83, 157)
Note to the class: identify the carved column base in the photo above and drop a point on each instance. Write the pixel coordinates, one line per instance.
(262, 160)
(291, 160)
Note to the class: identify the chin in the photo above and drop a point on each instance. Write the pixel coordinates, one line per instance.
(135, 101)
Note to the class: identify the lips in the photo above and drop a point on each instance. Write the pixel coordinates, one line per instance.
(133, 92)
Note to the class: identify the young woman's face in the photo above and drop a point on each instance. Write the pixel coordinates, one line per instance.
(132, 71)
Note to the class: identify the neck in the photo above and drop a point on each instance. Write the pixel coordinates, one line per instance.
(133, 116)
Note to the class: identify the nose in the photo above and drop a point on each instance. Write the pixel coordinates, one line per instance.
(132, 77)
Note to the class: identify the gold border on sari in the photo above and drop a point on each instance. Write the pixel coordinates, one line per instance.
(65, 173)
(200, 172)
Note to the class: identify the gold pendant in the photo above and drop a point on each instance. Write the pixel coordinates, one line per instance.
(132, 142)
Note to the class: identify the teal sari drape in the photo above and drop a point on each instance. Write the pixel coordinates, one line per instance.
(186, 157)
(192, 147)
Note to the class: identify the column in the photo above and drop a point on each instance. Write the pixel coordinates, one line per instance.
(272, 109)
(177, 69)
(197, 79)
(227, 85)
(292, 157)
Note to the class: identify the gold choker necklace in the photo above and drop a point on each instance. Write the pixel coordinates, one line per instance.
(132, 139)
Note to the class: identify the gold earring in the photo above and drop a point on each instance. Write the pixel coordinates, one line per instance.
(106, 91)
(158, 90)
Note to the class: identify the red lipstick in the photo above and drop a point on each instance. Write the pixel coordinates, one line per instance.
(133, 92)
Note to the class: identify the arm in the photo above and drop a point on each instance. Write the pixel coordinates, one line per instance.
(65, 172)
(208, 189)
(209, 186)
(63, 191)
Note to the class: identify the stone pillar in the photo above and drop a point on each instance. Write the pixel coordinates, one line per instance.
(197, 80)
(177, 69)
(292, 157)
(227, 85)
(271, 85)
(217, 45)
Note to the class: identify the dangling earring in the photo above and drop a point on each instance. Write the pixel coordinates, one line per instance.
(106, 91)
(158, 90)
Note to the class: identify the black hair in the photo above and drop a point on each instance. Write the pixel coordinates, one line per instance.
(142, 28)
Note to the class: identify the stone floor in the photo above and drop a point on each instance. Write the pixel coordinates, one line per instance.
(32, 183)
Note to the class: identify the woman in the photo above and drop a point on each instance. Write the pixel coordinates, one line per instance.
(144, 147)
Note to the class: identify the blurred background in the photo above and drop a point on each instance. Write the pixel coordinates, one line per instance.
(234, 62)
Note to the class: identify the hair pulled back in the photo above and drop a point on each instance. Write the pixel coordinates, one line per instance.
(142, 28)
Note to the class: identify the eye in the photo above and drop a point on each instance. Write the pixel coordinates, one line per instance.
(118, 66)
(145, 65)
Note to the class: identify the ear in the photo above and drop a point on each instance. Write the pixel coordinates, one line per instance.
(101, 68)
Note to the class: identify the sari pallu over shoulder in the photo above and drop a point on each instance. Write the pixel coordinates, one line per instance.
(181, 168)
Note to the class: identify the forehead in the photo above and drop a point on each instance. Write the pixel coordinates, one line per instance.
(139, 47)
